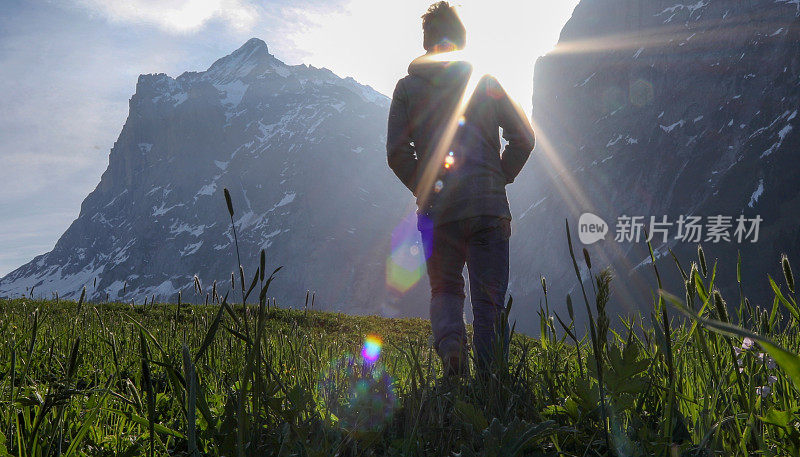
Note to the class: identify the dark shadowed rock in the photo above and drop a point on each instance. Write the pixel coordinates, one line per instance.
(653, 108)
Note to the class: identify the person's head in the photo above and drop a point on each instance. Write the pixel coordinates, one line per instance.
(442, 29)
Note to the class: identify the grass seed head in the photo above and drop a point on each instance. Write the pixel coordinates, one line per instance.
(73, 359)
(228, 201)
(702, 257)
(603, 281)
(722, 308)
(570, 310)
(691, 286)
(263, 264)
(787, 272)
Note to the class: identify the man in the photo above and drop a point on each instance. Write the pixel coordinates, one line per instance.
(443, 143)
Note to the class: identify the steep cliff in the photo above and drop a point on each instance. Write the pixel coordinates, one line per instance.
(663, 109)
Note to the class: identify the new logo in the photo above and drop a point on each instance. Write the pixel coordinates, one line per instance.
(591, 228)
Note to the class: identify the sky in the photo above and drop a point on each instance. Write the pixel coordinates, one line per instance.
(69, 67)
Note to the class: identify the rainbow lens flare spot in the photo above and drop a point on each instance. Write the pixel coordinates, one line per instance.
(372, 348)
(401, 279)
(437, 187)
(461, 121)
(405, 265)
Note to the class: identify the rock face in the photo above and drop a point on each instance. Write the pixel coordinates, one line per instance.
(657, 108)
(302, 152)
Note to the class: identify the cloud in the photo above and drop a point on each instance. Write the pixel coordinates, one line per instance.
(177, 16)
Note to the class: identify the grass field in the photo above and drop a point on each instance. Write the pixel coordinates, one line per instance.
(220, 379)
(695, 377)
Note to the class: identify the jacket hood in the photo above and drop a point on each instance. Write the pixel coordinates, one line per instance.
(441, 68)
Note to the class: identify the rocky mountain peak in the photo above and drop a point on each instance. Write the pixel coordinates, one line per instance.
(254, 54)
(301, 151)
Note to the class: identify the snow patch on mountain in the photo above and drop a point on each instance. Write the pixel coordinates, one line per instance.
(757, 193)
(671, 127)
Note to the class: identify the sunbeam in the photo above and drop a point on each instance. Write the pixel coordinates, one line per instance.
(666, 35)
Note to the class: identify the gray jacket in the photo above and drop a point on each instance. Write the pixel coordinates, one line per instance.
(444, 144)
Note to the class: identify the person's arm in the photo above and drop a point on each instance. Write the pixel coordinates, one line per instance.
(517, 131)
(400, 153)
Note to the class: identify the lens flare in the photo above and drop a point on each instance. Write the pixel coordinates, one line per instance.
(359, 396)
(372, 348)
(449, 159)
(641, 93)
(400, 279)
(405, 265)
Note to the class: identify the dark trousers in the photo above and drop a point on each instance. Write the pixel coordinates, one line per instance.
(482, 243)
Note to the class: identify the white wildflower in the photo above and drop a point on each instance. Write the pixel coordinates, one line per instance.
(763, 391)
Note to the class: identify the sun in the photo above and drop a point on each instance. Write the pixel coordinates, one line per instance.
(374, 40)
(505, 37)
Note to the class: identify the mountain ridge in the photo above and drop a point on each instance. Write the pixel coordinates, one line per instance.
(290, 142)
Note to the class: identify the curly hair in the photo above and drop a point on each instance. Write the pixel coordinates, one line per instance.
(441, 24)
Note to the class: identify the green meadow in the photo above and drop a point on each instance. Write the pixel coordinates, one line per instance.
(696, 377)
